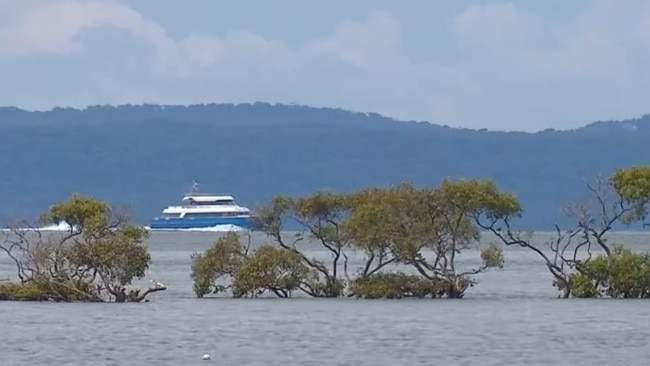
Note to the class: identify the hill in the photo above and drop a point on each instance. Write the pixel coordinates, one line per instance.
(147, 155)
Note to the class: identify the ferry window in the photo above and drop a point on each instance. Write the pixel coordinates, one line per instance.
(225, 202)
(203, 214)
(211, 214)
(212, 203)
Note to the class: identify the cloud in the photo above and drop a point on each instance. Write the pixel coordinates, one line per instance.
(514, 69)
(577, 73)
(491, 36)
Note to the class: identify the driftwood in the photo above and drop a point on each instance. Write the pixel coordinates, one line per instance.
(140, 295)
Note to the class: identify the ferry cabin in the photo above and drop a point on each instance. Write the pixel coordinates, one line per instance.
(206, 205)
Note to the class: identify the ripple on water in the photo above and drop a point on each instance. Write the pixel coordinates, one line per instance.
(510, 318)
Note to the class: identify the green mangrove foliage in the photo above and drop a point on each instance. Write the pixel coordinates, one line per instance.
(396, 285)
(272, 269)
(622, 274)
(401, 224)
(213, 269)
(230, 266)
(95, 260)
(581, 260)
(423, 229)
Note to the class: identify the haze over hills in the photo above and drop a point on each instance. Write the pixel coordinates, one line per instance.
(146, 156)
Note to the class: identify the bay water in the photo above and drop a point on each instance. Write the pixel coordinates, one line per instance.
(510, 317)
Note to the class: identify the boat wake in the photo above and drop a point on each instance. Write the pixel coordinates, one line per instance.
(217, 228)
(66, 227)
(63, 226)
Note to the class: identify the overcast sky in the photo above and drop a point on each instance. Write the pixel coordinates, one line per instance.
(519, 65)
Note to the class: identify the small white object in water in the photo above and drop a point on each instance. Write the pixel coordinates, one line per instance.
(206, 356)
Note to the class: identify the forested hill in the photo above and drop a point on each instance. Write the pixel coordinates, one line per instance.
(147, 156)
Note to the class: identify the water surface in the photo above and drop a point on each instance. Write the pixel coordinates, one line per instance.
(511, 317)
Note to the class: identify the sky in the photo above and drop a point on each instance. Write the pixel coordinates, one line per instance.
(522, 65)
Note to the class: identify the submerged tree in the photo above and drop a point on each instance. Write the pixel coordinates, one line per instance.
(230, 266)
(424, 230)
(96, 259)
(403, 224)
(212, 269)
(272, 269)
(620, 274)
(620, 199)
(321, 217)
(419, 229)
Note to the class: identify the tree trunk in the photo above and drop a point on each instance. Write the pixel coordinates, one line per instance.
(454, 293)
(566, 288)
(120, 295)
(567, 292)
(139, 296)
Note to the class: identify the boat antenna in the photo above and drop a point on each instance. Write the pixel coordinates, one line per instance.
(195, 186)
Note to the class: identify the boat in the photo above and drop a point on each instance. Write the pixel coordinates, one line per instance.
(203, 210)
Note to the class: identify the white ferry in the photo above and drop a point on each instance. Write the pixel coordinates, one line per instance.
(203, 210)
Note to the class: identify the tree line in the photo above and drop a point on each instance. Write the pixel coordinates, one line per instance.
(424, 230)
(409, 237)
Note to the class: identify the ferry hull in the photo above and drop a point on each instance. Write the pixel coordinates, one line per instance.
(174, 223)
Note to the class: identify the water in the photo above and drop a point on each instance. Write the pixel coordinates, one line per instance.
(511, 317)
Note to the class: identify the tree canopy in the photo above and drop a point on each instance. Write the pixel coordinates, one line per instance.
(96, 259)
(573, 257)
(423, 229)
(411, 236)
